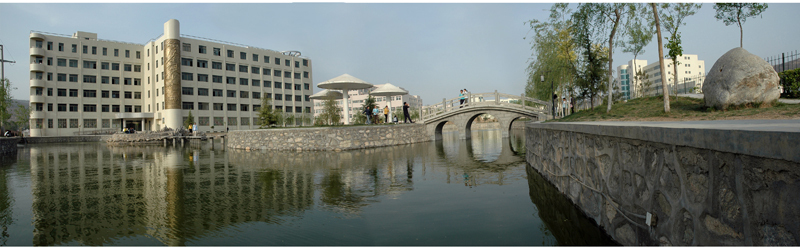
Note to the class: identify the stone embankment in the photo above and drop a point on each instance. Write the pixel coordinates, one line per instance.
(62, 139)
(327, 138)
(8, 145)
(147, 137)
(701, 183)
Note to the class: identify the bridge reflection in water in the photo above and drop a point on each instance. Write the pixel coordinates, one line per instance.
(90, 194)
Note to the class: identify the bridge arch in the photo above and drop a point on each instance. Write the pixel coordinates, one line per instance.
(463, 119)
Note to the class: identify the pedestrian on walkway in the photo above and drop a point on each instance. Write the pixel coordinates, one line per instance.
(572, 105)
(405, 113)
(367, 113)
(564, 105)
(386, 114)
(375, 113)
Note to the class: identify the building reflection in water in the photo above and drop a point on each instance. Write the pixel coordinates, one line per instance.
(92, 194)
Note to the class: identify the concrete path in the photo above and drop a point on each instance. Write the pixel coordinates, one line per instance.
(747, 125)
(787, 101)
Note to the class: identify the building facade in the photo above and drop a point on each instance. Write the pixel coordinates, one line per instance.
(691, 74)
(81, 84)
(627, 78)
(359, 96)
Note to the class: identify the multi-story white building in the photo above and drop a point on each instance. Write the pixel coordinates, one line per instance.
(80, 83)
(627, 79)
(358, 96)
(690, 75)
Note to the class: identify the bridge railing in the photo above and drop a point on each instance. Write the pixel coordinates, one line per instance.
(485, 99)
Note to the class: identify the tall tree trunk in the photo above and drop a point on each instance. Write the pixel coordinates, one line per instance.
(611, 60)
(741, 35)
(675, 67)
(661, 59)
(635, 79)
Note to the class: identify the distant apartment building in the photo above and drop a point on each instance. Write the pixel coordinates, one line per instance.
(82, 84)
(357, 98)
(691, 74)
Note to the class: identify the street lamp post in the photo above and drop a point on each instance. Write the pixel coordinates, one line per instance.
(552, 86)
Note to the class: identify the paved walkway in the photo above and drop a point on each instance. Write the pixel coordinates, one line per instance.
(787, 101)
(747, 125)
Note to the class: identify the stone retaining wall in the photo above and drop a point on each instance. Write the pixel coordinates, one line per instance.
(702, 186)
(8, 145)
(322, 139)
(59, 139)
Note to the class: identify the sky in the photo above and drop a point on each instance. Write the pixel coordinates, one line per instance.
(431, 49)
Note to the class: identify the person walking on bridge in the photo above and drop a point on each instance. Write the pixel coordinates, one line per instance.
(461, 98)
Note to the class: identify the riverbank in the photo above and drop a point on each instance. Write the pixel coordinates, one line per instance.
(698, 182)
(327, 138)
(682, 108)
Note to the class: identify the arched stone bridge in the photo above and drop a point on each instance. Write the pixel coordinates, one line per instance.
(503, 107)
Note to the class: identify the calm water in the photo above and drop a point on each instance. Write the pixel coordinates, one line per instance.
(454, 192)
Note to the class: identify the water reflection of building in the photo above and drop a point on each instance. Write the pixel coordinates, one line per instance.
(347, 181)
(93, 196)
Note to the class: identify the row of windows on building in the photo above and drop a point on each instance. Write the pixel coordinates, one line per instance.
(90, 93)
(243, 94)
(63, 77)
(242, 81)
(239, 107)
(241, 68)
(72, 107)
(106, 123)
(88, 64)
(202, 49)
(67, 107)
(85, 49)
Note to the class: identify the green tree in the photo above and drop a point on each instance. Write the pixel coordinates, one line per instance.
(639, 35)
(672, 19)
(189, 120)
(290, 119)
(554, 54)
(657, 23)
(738, 13)
(331, 114)
(5, 102)
(266, 114)
(22, 117)
(675, 50)
(610, 20)
(589, 68)
(644, 82)
(591, 78)
(279, 117)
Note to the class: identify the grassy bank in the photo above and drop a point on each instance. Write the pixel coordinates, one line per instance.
(681, 109)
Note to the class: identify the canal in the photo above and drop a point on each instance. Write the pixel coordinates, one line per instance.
(477, 192)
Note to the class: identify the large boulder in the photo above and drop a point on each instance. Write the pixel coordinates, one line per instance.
(739, 77)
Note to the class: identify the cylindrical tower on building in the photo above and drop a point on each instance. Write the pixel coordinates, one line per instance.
(172, 74)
